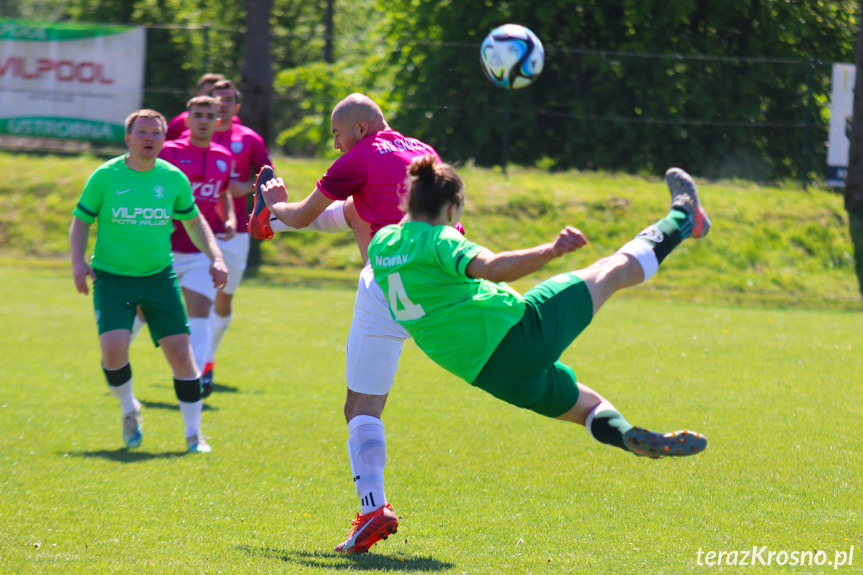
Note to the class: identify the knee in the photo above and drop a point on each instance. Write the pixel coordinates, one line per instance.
(179, 353)
(115, 352)
(114, 357)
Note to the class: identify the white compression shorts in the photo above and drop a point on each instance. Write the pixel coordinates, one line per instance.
(236, 254)
(193, 273)
(374, 341)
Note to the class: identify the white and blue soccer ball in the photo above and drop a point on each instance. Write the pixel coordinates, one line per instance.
(511, 56)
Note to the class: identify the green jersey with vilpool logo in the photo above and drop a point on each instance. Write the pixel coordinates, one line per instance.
(456, 320)
(135, 212)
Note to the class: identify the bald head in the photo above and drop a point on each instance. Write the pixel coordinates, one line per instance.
(360, 108)
(354, 118)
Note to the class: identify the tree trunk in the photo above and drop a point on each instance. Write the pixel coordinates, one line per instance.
(256, 84)
(328, 32)
(854, 181)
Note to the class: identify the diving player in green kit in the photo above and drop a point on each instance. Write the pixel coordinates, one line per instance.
(447, 293)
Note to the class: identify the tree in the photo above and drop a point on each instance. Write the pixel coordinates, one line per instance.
(257, 75)
(854, 181)
(257, 82)
(613, 95)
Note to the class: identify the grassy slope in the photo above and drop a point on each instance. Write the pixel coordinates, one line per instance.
(768, 245)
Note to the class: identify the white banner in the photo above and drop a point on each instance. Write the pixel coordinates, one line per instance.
(69, 80)
(841, 111)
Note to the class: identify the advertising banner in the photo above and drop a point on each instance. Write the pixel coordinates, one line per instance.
(841, 111)
(72, 81)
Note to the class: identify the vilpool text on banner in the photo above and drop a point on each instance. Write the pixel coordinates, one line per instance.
(72, 81)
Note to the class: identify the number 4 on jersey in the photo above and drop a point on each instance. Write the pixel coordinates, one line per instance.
(408, 310)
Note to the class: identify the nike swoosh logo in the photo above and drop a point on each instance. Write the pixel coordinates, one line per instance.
(121, 192)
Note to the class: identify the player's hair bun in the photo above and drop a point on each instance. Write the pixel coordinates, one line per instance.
(431, 186)
(423, 167)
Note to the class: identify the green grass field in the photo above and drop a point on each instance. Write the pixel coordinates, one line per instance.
(481, 487)
(752, 336)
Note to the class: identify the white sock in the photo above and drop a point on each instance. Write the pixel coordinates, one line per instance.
(603, 406)
(136, 327)
(125, 395)
(192, 416)
(331, 220)
(367, 451)
(642, 251)
(201, 338)
(220, 325)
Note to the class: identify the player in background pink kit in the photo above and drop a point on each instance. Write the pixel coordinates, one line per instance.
(208, 167)
(370, 176)
(250, 154)
(177, 127)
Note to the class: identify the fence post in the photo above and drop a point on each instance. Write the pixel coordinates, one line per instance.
(507, 107)
(810, 63)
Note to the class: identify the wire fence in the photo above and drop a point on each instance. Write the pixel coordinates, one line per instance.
(619, 100)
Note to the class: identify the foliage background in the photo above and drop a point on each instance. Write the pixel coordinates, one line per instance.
(722, 87)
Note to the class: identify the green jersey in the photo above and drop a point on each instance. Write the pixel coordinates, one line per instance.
(456, 320)
(135, 212)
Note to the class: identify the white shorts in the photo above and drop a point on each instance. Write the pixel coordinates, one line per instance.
(193, 273)
(236, 254)
(374, 341)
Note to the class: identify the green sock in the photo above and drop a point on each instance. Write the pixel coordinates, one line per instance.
(609, 426)
(667, 233)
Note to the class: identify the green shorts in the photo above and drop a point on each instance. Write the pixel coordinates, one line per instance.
(524, 369)
(116, 297)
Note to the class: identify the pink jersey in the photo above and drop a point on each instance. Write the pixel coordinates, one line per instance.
(374, 173)
(209, 172)
(250, 154)
(177, 127)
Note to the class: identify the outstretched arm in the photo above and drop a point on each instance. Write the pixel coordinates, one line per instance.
(511, 265)
(333, 219)
(295, 214)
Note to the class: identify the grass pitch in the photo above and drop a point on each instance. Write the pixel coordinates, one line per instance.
(480, 486)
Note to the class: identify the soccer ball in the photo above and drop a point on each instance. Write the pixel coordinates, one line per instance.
(511, 56)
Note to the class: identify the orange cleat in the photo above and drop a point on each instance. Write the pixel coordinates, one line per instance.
(368, 529)
(259, 221)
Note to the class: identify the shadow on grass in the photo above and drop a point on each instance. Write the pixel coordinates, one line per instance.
(171, 406)
(124, 455)
(221, 388)
(364, 562)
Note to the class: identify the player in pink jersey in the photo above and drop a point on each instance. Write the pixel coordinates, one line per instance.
(250, 154)
(208, 167)
(370, 176)
(177, 127)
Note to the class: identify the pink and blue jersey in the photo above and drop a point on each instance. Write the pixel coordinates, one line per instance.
(250, 155)
(209, 173)
(374, 173)
(177, 127)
